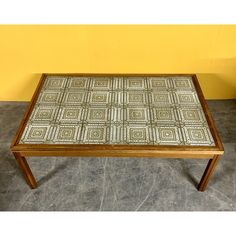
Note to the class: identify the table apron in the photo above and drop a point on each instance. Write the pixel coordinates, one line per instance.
(116, 153)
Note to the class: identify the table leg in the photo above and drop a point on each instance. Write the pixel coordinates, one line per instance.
(25, 170)
(208, 172)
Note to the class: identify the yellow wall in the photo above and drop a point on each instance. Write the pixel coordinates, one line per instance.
(26, 51)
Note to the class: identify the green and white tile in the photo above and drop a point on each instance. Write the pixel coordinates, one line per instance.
(164, 115)
(78, 83)
(135, 83)
(99, 98)
(160, 83)
(183, 84)
(186, 98)
(44, 114)
(136, 98)
(97, 114)
(197, 135)
(37, 134)
(74, 97)
(95, 134)
(101, 83)
(70, 114)
(191, 115)
(167, 135)
(54, 83)
(137, 114)
(161, 98)
(66, 133)
(138, 134)
(52, 97)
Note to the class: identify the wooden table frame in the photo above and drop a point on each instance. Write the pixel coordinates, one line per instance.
(213, 153)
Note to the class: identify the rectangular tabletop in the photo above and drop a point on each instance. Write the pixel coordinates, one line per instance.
(118, 112)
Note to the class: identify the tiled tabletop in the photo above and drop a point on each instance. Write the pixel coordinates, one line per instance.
(118, 110)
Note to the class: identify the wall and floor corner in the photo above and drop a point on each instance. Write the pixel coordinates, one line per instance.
(26, 51)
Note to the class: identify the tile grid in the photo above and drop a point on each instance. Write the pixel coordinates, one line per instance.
(177, 113)
(59, 107)
(153, 107)
(139, 129)
(39, 103)
(98, 126)
(114, 109)
(85, 109)
(158, 110)
(85, 101)
(178, 107)
(178, 121)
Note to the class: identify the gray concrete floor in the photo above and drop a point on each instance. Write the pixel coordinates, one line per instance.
(118, 184)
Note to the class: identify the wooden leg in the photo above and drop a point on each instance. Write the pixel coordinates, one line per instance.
(208, 172)
(25, 170)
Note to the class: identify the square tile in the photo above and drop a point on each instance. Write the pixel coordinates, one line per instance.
(70, 114)
(100, 98)
(186, 98)
(136, 98)
(44, 114)
(135, 83)
(161, 98)
(191, 115)
(50, 97)
(74, 97)
(97, 114)
(159, 83)
(167, 115)
(183, 83)
(197, 135)
(138, 134)
(167, 135)
(67, 133)
(78, 83)
(95, 134)
(54, 83)
(137, 115)
(101, 83)
(36, 133)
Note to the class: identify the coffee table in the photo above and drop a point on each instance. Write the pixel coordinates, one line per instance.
(118, 115)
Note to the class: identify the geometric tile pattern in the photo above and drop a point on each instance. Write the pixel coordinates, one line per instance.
(118, 110)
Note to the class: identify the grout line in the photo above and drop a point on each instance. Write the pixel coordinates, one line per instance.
(149, 108)
(123, 111)
(109, 141)
(85, 107)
